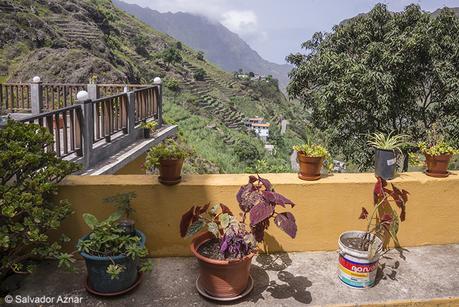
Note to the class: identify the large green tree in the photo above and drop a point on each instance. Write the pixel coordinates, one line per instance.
(384, 72)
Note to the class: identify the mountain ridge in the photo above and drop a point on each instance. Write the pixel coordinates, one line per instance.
(220, 45)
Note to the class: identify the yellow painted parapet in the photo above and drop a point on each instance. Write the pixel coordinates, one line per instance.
(324, 209)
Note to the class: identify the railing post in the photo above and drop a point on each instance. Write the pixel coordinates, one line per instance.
(159, 82)
(93, 91)
(36, 95)
(88, 126)
(131, 114)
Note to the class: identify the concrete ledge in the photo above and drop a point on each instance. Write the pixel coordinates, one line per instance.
(424, 276)
(324, 209)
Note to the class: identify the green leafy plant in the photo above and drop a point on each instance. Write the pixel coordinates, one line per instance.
(29, 174)
(122, 202)
(169, 149)
(107, 239)
(151, 125)
(315, 151)
(436, 144)
(384, 220)
(171, 56)
(200, 56)
(390, 141)
(257, 200)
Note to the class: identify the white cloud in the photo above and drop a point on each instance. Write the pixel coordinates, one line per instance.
(240, 21)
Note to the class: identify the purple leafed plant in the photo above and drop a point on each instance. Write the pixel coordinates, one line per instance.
(259, 201)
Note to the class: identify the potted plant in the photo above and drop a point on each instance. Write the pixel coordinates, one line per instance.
(122, 202)
(148, 128)
(168, 157)
(387, 148)
(311, 158)
(112, 256)
(225, 245)
(360, 251)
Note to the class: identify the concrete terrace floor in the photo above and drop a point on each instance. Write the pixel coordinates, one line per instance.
(428, 275)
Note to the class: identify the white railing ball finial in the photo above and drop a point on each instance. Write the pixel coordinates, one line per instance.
(36, 79)
(82, 96)
(157, 81)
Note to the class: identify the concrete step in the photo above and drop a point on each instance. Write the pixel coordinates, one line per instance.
(426, 276)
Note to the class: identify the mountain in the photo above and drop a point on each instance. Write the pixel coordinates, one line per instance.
(454, 9)
(220, 45)
(72, 41)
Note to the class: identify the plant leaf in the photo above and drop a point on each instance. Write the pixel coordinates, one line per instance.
(225, 209)
(266, 183)
(195, 227)
(277, 199)
(90, 220)
(224, 220)
(261, 211)
(185, 222)
(286, 222)
(213, 228)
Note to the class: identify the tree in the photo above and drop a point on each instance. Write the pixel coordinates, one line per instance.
(171, 56)
(140, 41)
(380, 72)
(179, 45)
(28, 210)
(247, 152)
(251, 74)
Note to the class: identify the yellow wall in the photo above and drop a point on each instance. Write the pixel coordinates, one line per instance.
(133, 168)
(325, 208)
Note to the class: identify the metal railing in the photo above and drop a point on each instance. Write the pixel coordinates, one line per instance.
(78, 127)
(14, 97)
(110, 116)
(56, 96)
(65, 125)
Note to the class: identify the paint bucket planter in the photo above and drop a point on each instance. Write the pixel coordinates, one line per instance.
(355, 268)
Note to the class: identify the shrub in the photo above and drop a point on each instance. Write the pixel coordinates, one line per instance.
(179, 45)
(172, 84)
(199, 74)
(200, 56)
(29, 175)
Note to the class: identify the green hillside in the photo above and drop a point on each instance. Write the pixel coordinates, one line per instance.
(72, 41)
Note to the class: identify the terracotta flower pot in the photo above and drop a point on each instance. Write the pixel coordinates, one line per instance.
(221, 278)
(309, 167)
(170, 171)
(437, 166)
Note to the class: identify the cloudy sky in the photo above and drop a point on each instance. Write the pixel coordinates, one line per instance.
(277, 28)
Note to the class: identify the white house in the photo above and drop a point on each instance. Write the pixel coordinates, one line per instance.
(262, 130)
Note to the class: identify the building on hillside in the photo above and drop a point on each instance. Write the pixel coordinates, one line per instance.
(259, 126)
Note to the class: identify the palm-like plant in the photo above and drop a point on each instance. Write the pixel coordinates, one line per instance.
(389, 141)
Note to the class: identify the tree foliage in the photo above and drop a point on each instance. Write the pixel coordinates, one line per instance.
(29, 175)
(171, 56)
(381, 72)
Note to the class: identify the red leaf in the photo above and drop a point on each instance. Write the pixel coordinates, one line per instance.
(259, 230)
(201, 210)
(363, 214)
(277, 199)
(379, 187)
(250, 198)
(286, 222)
(402, 215)
(260, 212)
(252, 179)
(386, 219)
(186, 221)
(225, 209)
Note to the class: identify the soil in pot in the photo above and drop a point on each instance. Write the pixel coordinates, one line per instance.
(211, 249)
(170, 171)
(354, 243)
(437, 166)
(309, 167)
